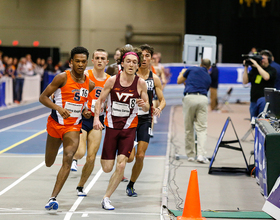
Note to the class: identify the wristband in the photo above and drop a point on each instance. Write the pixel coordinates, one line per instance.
(158, 108)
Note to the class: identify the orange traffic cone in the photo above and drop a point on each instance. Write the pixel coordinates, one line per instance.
(192, 210)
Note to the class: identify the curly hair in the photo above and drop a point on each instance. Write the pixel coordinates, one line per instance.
(148, 48)
(127, 49)
(79, 50)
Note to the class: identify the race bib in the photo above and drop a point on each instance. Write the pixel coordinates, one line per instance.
(93, 106)
(141, 112)
(83, 92)
(132, 103)
(75, 109)
(150, 84)
(120, 109)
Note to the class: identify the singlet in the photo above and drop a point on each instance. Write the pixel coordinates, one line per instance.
(147, 116)
(95, 93)
(122, 110)
(72, 96)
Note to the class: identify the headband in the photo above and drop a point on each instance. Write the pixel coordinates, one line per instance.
(131, 53)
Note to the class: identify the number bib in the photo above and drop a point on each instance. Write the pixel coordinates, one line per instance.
(93, 106)
(120, 109)
(75, 109)
(141, 112)
(84, 92)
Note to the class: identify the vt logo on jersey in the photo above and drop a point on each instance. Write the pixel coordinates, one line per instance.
(125, 95)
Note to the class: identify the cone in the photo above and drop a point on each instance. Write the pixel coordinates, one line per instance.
(192, 210)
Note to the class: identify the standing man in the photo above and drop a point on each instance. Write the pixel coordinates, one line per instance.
(126, 92)
(195, 104)
(70, 91)
(89, 138)
(214, 74)
(145, 117)
(260, 76)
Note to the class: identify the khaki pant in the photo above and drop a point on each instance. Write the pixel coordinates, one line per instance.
(213, 99)
(195, 110)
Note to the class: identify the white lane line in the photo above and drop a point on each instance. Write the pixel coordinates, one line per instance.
(164, 192)
(80, 198)
(21, 112)
(25, 175)
(86, 214)
(24, 122)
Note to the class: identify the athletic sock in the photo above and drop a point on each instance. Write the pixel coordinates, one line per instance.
(80, 188)
(130, 184)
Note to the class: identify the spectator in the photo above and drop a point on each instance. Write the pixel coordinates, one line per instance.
(2, 67)
(38, 69)
(21, 72)
(10, 68)
(66, 65)
(15, 62)
(29, 65)
(214, 74)
(58, 68)
(49, 65)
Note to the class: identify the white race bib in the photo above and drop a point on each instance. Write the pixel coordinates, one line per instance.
(120, 109)
(93, 106)
(75, 109)
(141, 112)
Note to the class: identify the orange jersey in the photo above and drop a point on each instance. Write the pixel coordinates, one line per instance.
(95, 93)
(72, 96)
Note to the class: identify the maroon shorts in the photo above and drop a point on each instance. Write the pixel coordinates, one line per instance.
(118, 140)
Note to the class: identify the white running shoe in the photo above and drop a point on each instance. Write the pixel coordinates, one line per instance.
(80, 191)
(191, 159)
(106, 204)
(74, 166)
(52, 204)
(202, 159)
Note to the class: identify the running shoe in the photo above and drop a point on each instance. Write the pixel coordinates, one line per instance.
(106, 204)
(131, 192)
(80, 191)
(124, 179)
(52, 204)
(202, 159)
(74, 166)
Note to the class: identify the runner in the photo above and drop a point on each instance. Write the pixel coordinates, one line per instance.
(145, 117)
(125, 92)
(90, 139)
(70, 91)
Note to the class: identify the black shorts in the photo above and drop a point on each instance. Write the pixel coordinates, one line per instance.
(143, 132)
(87, 124)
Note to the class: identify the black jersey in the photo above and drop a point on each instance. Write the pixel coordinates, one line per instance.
(147, 116)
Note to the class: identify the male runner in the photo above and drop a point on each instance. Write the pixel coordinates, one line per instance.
(70, 91)
(125, 92)
(145, 117)
(90, 139)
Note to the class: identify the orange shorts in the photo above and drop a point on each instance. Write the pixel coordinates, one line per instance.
(57, 130)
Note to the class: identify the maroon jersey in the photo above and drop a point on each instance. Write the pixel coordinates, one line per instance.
(122, 110)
